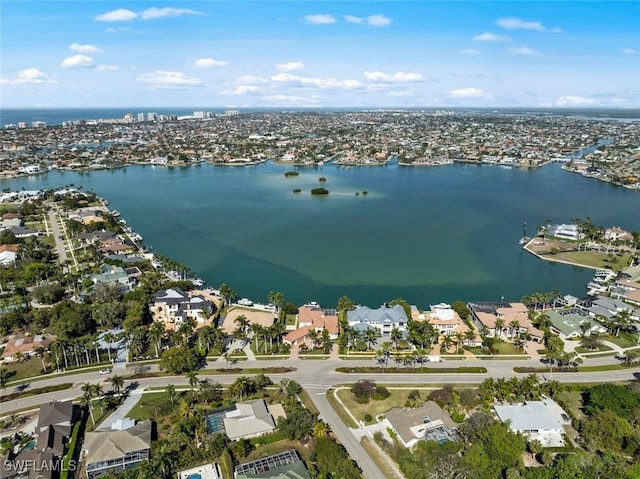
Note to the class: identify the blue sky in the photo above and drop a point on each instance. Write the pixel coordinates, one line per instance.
(319, 54)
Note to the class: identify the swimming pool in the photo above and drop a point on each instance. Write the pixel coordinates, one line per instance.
(194, 476)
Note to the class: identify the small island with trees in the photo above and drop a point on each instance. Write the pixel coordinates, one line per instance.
(289, 174)
(319, 191)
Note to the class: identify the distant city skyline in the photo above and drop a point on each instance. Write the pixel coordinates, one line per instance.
(320, 54)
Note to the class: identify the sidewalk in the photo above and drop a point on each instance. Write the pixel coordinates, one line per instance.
(123, 410)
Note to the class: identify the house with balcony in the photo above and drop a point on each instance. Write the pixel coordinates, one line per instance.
(173, 306)
(384, 319)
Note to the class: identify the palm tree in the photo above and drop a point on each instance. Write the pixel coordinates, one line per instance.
(313, 336)
(4, 378)
(192, 377)
(110, 338)
(117, 382)
(256, 329)
(156, 333)
(227, 293)
(499, 327)
(41, 353)
(242, 323)
(447, 341)
(459, 337)
(186, 410)
(87, 397)
(470, 335)
(276, 298)
(514, 326)
(171, 393)
(622, 320)
(371, 336)
(395, 336)
(320, 429)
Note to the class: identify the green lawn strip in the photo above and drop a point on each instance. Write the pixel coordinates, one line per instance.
(340, 411)
(34, 392)
(601, 355)
(71, 450)
(624, 340)
(417, 370)
(607, 367)
(313, 358)
(268, 370)
(502, 358)
(593, 259)
(376, 457)
(154, 406)
(71, 371)
(275, 357)
(308, 403)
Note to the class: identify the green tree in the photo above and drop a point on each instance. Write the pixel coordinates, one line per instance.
(178, 360)
(117, 382)
(297, 425)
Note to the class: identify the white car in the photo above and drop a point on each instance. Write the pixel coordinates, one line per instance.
(105, 371)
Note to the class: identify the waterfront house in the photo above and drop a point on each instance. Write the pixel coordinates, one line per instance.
(174, 306)
(443, 318)
(428, 422)
(312, 318)
(617, 234)
(534, 420)
(503, 320)
(564, 231)
(112, 452)
(127, 278)
(572, 322)
(384, 319)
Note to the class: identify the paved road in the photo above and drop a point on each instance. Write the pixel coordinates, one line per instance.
(317, 376)
(57, 235)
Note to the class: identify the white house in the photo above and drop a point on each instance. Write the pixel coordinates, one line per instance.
(384, 318)
(564, 231)
(534, 420)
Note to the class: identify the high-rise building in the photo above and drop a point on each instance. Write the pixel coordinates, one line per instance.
(152, 116)
(140, 116)
(38, 124)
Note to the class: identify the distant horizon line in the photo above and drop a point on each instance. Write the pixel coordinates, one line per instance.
(280, 107)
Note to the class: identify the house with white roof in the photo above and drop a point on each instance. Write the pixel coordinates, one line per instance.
(534, 420)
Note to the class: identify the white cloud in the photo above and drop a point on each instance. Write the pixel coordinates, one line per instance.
(491, 37)
(107, 68)
(289, 67)
(28, 76)
(250, 80)
(524, 51)
(470, 51)
(241, 90)
(379, 21)
(77, 61)
(629, 51)
(353, 19)
(76, 47)
(119, 15)
(167, 12)
(320, 19)
(322, 83)
(518, 24)
(168, 79)
(399, 93)
(392, 77)
(209, 63)
(467, 93)
(292, 99)
(116, 29)
(575, 101)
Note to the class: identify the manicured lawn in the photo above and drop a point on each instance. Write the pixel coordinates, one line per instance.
(290, 320)
(374, 454)
(623, 340)
(506, 348)
(340, 411)
(277, 447)
(398, 398)
(593, 259)
(26, 369)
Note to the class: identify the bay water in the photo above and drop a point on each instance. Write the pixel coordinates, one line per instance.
(429, 235)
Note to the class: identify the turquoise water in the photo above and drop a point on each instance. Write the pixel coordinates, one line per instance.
(194, 476)
(426, 234)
